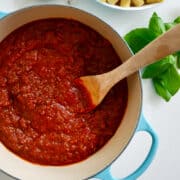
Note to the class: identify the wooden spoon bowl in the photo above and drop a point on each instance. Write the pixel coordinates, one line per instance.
(95, 87)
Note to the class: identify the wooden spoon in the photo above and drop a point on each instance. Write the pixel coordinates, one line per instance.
(97, 86)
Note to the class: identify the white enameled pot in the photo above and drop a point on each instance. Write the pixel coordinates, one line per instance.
(98, 164)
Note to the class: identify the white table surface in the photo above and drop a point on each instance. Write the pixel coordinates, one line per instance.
(164, 117)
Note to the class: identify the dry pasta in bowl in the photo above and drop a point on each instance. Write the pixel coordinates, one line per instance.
(130, 4)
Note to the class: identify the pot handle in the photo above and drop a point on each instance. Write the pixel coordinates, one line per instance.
(2, 14)
(142, 126)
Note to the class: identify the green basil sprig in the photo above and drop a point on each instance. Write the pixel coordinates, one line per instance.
(164, 73)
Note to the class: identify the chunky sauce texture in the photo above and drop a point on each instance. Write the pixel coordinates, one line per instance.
(41, 109)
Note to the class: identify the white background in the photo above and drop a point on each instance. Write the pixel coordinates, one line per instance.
(164, 117)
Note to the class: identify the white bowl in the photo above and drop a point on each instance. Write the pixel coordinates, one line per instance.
(146, 6)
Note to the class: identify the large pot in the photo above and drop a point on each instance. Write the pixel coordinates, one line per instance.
(98, 164)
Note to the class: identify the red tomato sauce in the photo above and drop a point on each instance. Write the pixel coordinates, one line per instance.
(41, 109)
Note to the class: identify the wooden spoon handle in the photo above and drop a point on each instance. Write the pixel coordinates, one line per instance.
(164, 45)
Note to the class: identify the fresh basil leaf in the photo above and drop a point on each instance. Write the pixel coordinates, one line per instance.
(177, 20)
(156, 25)
(169, 25)
(171, 79)
(161, 90)
(178, 59)
(164, 74)
(172, 24)
(139, 38)
(159, 67)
